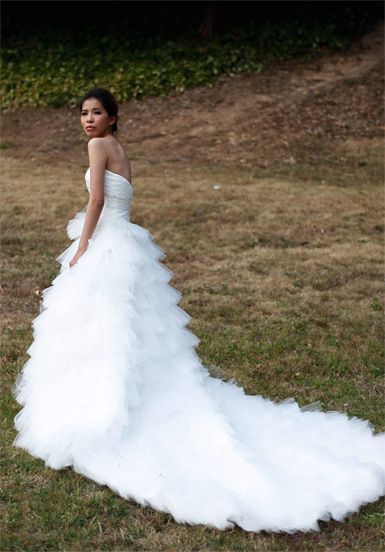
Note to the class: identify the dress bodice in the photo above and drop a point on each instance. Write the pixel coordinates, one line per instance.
(117, 194)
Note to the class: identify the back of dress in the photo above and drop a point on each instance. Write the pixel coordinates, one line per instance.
(117, 195)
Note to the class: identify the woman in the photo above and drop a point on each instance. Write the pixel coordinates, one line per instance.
(114, 387)
(105, 151)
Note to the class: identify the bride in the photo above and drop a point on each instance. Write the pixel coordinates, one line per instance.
(115, 389)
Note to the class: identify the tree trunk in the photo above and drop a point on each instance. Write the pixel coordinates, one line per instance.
(209, 25)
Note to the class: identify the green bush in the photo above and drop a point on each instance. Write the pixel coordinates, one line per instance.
(51, 68)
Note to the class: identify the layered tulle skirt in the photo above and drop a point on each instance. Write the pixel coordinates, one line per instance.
(114, 387)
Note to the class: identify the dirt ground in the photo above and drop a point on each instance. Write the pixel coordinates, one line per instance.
(281, 114)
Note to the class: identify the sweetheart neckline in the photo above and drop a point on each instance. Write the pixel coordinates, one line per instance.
(116, 174)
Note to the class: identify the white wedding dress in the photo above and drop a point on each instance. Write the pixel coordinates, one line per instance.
(115, 388)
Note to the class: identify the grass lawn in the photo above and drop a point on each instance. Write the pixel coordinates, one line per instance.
(281, 270)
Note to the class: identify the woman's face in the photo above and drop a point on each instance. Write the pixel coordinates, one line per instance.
(95, 119)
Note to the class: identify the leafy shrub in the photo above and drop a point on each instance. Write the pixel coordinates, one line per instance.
(51, 68)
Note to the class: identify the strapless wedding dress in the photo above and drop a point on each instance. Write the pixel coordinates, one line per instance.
(114, 388)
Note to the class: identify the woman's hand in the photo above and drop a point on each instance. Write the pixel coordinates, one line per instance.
(77, 256)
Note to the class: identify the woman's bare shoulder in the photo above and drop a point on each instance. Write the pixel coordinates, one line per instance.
(97, 143)
(118, 160)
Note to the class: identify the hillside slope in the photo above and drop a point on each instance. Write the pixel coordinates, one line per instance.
(283, 113)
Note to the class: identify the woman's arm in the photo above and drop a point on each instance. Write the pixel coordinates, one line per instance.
(98, 161)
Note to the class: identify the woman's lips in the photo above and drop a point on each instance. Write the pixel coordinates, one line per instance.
(89, 127)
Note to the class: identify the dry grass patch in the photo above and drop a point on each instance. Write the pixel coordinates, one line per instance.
(281, 272)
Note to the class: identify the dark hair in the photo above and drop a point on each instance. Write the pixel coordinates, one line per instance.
(106, 99)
